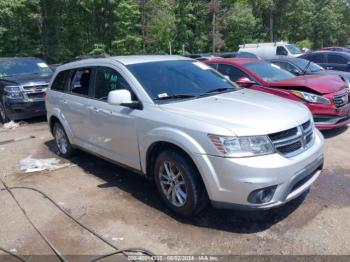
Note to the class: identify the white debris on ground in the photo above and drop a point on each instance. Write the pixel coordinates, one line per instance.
(11, 125)
(117, 238)
(30, 165)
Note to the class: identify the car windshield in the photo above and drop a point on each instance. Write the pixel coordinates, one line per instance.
(293, 49)
(269, 72)
(23, 67)
(311, 67)
(179, 79)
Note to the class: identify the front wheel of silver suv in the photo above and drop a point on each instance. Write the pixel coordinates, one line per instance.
(179, 183)
(64, 147)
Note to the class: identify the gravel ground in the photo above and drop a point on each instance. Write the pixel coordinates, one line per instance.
(126, 210)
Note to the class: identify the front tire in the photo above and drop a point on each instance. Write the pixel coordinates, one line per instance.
(3, 115)
(64, 147)
(179, 183)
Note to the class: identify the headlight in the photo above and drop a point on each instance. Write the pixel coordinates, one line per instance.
(242, 146)
(312, 97)
(347, 81)
(13, 92)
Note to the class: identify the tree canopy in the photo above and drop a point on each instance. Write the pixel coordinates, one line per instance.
(58, 30)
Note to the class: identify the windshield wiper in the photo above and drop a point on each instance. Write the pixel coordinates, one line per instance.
(306, 67)
(177, 96)
(219, 90)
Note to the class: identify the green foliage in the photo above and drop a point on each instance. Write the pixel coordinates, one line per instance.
(58, 30)
(240, 25)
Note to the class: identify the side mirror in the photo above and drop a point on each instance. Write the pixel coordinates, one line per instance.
(245, 82)
(122, 97)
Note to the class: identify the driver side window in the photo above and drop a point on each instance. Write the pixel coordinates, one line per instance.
(107, 80)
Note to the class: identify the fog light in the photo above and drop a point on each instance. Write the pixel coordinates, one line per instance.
(262, 195)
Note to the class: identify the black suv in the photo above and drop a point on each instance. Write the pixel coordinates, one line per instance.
(23, 83)
(330, 60)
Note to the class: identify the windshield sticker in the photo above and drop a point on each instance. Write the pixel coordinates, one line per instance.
(162, 95)
(202, 66)
(43, 65)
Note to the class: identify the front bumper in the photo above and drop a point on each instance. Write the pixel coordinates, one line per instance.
(328, 117)
(327, 122)
(21, 109)
(229, 181)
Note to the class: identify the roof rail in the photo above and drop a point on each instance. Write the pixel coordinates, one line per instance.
(83, 57)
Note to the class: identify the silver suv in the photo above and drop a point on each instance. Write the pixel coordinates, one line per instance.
(191, 130)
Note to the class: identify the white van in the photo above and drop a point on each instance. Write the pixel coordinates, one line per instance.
(271, 50)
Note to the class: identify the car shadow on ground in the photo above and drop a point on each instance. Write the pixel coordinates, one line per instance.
(144, 190)
(334, 132)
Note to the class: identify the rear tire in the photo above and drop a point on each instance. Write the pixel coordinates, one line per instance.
(3, 115)
(64, 147)
(179, 183)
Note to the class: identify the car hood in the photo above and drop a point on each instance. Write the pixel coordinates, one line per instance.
(334, 72)
(322, 84)
(28, 79)
(244, 112)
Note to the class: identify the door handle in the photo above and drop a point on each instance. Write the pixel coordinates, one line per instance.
(64, 102)
(92, 108)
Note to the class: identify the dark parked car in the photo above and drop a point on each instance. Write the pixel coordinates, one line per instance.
(335, 48)
(299, 66)
(23, 83)
(331, 60)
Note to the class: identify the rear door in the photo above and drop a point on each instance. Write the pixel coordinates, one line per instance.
(75, 102)
(337, 62)
(318, 58)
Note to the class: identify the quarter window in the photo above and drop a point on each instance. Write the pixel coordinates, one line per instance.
(60, 81)
(81, 81)
(107, 80)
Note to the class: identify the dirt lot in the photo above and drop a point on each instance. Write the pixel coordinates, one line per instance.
(125, 208)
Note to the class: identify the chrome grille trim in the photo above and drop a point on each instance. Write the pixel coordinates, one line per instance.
(31, 92)
(298, 143)
(341, 100)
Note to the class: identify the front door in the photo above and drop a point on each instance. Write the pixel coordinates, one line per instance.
(115, 126)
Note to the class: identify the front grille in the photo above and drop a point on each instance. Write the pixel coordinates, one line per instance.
(290, 148)
(35, 87)
(293, 141)
(306, 125)
(341, 100)
(36, 95)
(284, 134)
(301, 182)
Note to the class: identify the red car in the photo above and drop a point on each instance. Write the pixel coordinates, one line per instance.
(327, 96)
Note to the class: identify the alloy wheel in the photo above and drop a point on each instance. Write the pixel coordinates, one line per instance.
(61, 140)
(173, 184)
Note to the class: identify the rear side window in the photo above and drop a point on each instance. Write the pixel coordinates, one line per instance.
(336, 59)
(316, 58)
(232, 72)
(59, 83)
(80, 82)
(107, 80)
